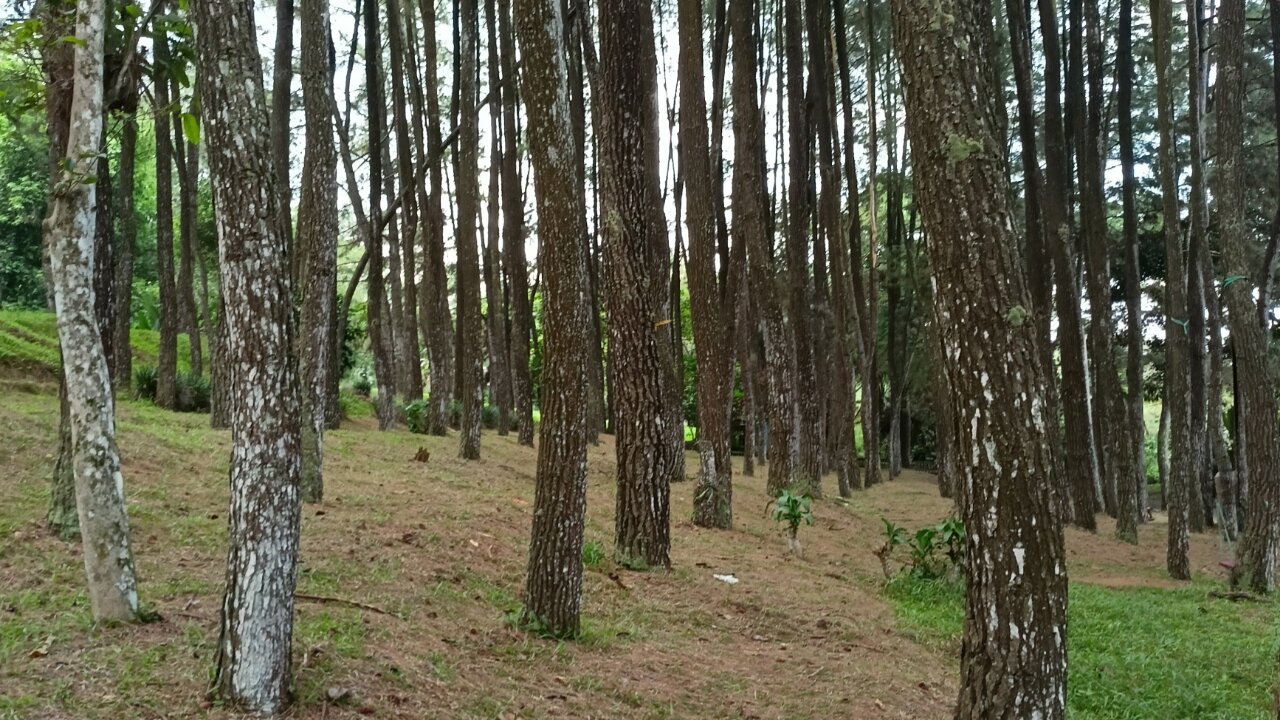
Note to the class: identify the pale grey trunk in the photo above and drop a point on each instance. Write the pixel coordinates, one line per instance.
(254, 666)
(104, 521)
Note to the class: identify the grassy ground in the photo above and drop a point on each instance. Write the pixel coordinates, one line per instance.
(441, 546)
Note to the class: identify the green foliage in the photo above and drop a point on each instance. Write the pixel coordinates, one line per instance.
(593, 555)
(1135, 653)
(415, 416)
(934, 552)
(144, 382)
(489, 417)
(363, 386)
(792, 509)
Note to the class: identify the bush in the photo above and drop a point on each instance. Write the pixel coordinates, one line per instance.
(593, 556)
(489, 417)
(455, 414)
(415, 416)
(194, 393)
(144, 382)
(363, 386)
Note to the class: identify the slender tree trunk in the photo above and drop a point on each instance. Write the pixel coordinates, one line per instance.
(185, 156)
(634, 263)
(57, 66)
(409, 354)
(517, 269)
(749, 223)
(437, 321)
(317, 241)
(379, 331)
(281, 132)
(167, 357)
(1013, 658)
(712, 306)
(1176, 341)
(553, 585)
(99, 486)
(1132, 269)
(1256, 400)
(254, 667)
(470, 323)
(871, 391)
(1081, 466)
(495, 293)
(104, 290)
(122, 370)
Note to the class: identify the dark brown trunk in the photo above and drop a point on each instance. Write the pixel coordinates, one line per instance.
(122, 369)
(185, 155)
(167, 358)
(470, 323)
(1132, 270)
(495, 294)
(635, 249)
(1255, 398)
(379, 332)
(281, 132)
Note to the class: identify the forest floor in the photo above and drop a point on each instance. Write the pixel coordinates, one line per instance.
(434, 553)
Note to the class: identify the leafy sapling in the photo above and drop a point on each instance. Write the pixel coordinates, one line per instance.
(793, 509)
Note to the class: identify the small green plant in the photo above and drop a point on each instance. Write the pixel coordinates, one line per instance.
(593, 555)
(793, 509)
(489, 417)
(935, 552)
(363, 385)
(415, 416)
(144, 382)
(455, 414)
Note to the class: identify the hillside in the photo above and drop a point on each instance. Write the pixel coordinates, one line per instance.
(408, 571)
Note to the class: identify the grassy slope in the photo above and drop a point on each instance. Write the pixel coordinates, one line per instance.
(443, 545)
(29, 342)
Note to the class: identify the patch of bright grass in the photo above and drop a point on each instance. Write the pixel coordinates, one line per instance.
(1135, 653)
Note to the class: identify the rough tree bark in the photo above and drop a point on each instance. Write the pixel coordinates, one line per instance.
(379, 330)
(711, 306)
(517, 268)
(317, 240)
(186, 157)
(167, 356)
(1176, 371)
(281, 97)
(470, 323)
(748, 204)
(99, 485)
(495, 290)
(553, 586)
(1132, 269)
(1256, 400)
(122, 369)
(635, 248)
(254, 666)
(1013, 653)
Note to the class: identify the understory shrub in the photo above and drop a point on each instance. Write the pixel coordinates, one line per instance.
(144, 382)
(935, 552)
(415, 416)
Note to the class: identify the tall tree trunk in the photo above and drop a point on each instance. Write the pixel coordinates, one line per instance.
(517, 269)
(122, 370)
(749, 223)
(495, 293)
(281, 132)
(57, 60)
(808, 472)
(470, 323)
(317, 241)
(408, 352)
(871, 391)
(1176, 371)
(1256, 400)
(712, 307)
(254, 666)
(437, 322)
(1132, 268)
(99, 486)
(1081, 466)
(379, 324)
(167, 356)
(553, 586)
(185, 156)
(634, 262)
(1122, 472)
(1013, 658)
(104, 290)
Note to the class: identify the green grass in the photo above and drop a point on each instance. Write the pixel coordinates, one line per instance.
(29, 339)
(1135, 653)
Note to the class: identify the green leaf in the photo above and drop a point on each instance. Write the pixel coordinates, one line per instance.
(73, 40)
(132, 10)
(191, 128)
(1231, 279)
